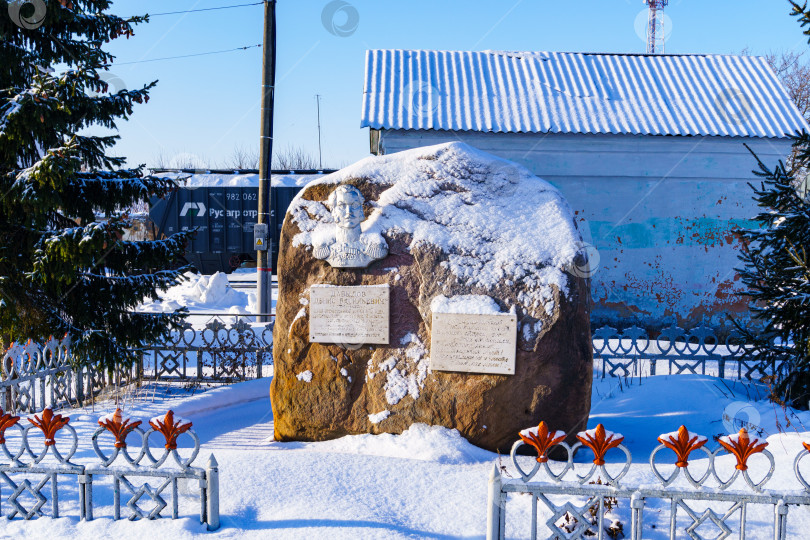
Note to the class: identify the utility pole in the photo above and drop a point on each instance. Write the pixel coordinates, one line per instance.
(264, 258)
(318, 102)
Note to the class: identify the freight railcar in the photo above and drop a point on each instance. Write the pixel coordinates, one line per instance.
(222, 207)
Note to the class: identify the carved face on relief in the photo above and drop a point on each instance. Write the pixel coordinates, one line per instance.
(347, 206)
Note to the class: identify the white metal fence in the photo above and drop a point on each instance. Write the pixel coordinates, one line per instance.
(36, 462)
(34, 376)
(683, 500)
(639, 352)
(217, 352)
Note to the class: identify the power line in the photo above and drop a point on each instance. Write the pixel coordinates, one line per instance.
(246, 47)
(203, 9)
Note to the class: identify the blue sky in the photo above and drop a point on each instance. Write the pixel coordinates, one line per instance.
(206, 106)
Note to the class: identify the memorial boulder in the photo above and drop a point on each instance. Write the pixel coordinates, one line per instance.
(439, 285)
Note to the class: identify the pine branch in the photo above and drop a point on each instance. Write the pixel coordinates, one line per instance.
(62, 268)
(802, 14)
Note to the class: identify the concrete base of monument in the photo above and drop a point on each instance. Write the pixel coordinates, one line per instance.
(467, 233)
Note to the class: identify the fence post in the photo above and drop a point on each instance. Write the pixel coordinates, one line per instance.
(637, 505)
(78, 373)
(212, 488)
(780, 521)
(85, 496)
(494, 504)
(721, 365)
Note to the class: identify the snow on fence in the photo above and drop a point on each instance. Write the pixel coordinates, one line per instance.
(214, 353)
(635, 352)
(682, 498)
(139, 477)
(33, 377)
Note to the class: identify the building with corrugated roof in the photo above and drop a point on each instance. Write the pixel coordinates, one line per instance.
(649, 150)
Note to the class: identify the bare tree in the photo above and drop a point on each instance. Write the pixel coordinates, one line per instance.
(294, 158)
(161, 160)
(793, 70)
(182, 160)
(243, 157)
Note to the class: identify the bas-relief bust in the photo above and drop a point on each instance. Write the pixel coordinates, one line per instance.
(346, 246)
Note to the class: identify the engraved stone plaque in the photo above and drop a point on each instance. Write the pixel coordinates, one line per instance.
(473, 343)
(349, 316)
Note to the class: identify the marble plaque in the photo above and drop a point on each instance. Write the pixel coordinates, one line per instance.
(349, 315)
(473, 343)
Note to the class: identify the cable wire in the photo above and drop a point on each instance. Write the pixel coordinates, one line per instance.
(246, 47)
(203, 9)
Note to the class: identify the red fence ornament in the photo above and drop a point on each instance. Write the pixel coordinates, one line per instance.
(600, 441)
(119, 426)
(170, 429)
(49, 423)
(542, 439)
(742, 446)
(682, 443)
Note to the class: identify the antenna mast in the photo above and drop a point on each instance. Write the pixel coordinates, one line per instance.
(655, 26)
(318, 101)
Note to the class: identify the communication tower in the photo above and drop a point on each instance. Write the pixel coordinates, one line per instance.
(655, 26)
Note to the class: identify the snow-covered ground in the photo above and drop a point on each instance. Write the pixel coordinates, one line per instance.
(426, 483)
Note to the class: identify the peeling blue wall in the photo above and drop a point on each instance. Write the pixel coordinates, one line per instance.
(661, 212)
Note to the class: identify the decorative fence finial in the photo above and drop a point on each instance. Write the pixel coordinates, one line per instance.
(542, 439)
(119, 426)
(6, 421)
(49, 423)
(170, 429)
(600, 441)
(682, 443)
(742, 446)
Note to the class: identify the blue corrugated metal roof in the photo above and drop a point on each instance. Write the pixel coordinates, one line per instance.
(539, 92)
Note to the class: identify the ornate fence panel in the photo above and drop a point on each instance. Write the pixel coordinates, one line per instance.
(634, 353)
(684, 497)
(216, 353)
(30, 470)
(33, 377)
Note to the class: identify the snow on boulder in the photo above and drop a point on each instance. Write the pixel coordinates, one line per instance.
(467, 233)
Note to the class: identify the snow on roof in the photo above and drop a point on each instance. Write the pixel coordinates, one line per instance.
(539, 92)
(496, 220)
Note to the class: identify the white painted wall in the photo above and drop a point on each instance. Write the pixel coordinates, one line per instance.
(660, 211)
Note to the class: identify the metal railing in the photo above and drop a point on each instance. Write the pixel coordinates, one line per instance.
(581, 497)
(139, 477)
(34, 376)
(215, 353)
(634, 352)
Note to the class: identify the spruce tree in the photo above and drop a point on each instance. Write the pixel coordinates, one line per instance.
(64, 267)
(777, 278)
(777, 268)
